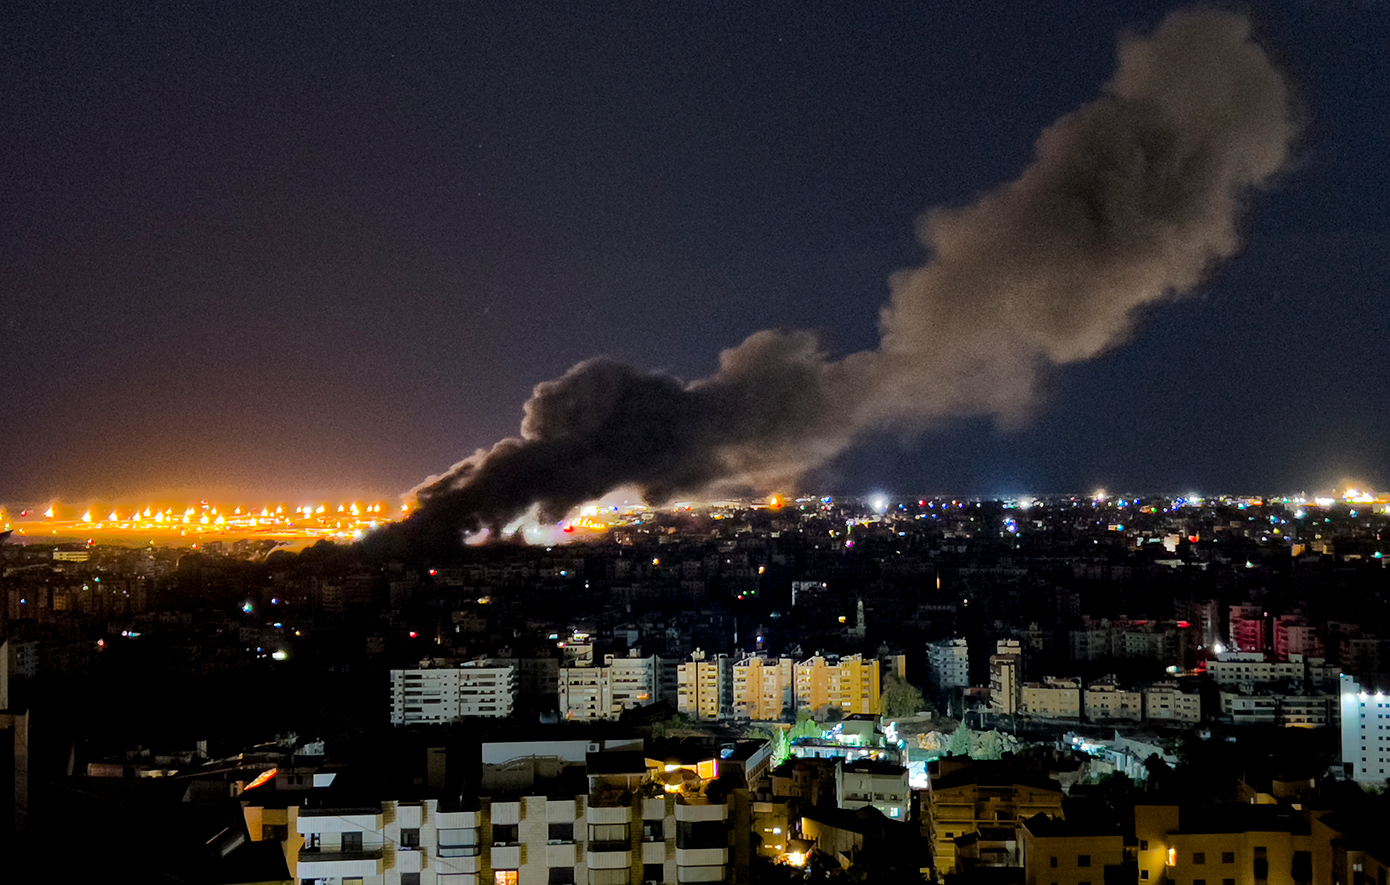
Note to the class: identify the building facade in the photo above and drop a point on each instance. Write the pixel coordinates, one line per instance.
(438, 695)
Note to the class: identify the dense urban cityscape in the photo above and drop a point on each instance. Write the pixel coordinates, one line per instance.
(749, 691)
(470, 443)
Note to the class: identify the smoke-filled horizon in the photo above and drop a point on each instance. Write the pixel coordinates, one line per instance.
(1128, 201)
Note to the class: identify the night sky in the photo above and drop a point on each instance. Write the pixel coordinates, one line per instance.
(257, 250)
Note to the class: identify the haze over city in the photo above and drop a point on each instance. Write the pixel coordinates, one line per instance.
(258, 258)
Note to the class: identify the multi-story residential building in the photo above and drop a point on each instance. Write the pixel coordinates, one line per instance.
(1278, 708)
(1074, 852)
(949, 663)
(1204, 616)
(1106, 700)
(1006, 677)
(704, 687)
(1247, 628)
(594, 692)
(1365, 732)
(763, 688)
(850, 685)
(1247, 671)
(1092, 641)
(1240, 843)
(438, 694)
(602, 813)
(1056, 697)
(1166, 701)
(970, 795)
(878, 784)
(1293, 636)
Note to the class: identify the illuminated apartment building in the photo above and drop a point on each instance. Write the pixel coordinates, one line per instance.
(441, 694)
(704, 687)
(589, 692)
(763, 688)
(850, 685)
(972, 799)
(569, 812)
(1365, 732)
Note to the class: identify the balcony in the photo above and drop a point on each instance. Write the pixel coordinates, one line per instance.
(339, 820)
(701, 857)
(318, 864)
(616, 858)
(607, 814)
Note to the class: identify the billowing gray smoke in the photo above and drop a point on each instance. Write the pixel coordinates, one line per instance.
(1130, 200)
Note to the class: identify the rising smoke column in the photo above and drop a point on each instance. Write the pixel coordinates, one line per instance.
(1130, 200)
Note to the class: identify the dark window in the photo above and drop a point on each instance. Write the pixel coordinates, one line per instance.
(410, 838)
(1143, 875)
(1260, 863)
(1302, 871)
(1228, 882)
(562, 876)
(1143, 844)
(274, 832)
(653, 872)
(561, 834)
(653, 830)
(701, 834)
(410, 879)
(1083, 860)
(352, 841)
(504, 834)
(1053, 860)
(1228, 857)
(1199, 882)
(1199, 857)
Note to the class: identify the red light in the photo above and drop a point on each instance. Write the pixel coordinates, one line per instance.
(1184, 624)
(433, 572)
(1193, 538)
(413, 634)
(569, 528)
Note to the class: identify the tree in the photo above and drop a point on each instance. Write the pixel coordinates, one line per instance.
(900, 697)
(806, 727)
(781, 747)
(989, 745)
(960, 741)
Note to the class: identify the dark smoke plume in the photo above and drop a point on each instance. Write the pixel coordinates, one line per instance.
(1130, 200)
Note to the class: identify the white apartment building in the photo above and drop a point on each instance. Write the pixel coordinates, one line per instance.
(879, 784)
(1244, 671)
(589, 692)
(436, 695)
(1365, 732)
(949, 663)
(522, 831)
